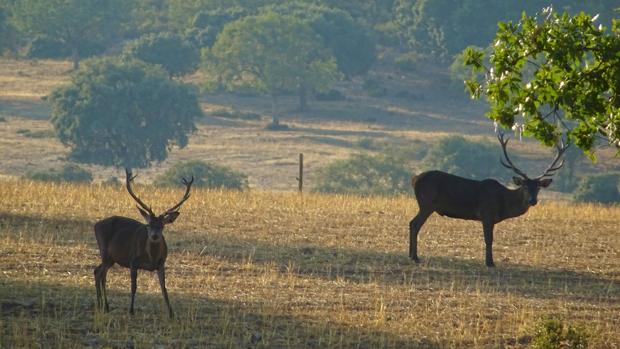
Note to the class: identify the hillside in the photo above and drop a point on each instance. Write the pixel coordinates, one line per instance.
(303, 271)
(326, 132)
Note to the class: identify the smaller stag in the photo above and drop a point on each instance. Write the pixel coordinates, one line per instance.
(486, 201)
(135, 245)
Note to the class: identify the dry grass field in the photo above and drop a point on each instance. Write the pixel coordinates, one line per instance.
(311, 271)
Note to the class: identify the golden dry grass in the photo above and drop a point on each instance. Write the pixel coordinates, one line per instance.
(315, 271)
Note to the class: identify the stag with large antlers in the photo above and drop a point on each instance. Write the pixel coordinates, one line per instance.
(486, 201)
(135, 245)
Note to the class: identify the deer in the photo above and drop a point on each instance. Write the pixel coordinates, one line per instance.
(486, 201)
(135, 245)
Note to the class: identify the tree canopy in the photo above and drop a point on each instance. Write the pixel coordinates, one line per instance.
(272, 54)
(123, 113)
(177, 56)
(553, 74)
(76, 22)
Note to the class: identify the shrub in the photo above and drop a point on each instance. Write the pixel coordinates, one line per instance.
(602, 188)
(67, 173)
(205, 175)
(457, 155)
(330, 95)
(554, 334)
(42, 46)
(374, 88)
(364, 175)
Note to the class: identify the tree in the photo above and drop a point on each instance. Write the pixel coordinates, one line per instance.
(77, 23)
(8, 36)
(170, 51)
(553, 75)
(349, 40)
(442, 28)
(272, 54)
(123, 113)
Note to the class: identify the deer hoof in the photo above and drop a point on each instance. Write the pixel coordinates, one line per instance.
(490, 264)
(415, 259)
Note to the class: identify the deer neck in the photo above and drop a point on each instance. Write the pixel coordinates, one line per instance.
(155, 249)
(516, 202)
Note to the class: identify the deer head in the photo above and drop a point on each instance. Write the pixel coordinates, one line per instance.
(531, 186)
(155, 223)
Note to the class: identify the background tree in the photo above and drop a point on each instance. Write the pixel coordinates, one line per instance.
(442, 28)
(8, 35)
(123, 113)
(78, 23)
(177, 56)
(573, 85)
(350, 41)
(272, 54)
(207, 24)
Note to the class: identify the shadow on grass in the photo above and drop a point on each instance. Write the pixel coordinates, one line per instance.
(51, 315)
(60, 230)
(362, 266)
(27, 109)
(436, 272)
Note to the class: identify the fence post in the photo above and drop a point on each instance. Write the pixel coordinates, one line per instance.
(300, 178)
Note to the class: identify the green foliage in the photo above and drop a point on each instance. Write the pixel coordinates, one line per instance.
(573, 85)
(205, 175)
(555, 334)
(42, 46)
(457, 155)
(374, 87)
(364, 175)
(207, 24)
(78, 23)
(409, 61)
(442, 28)
(8, 34)
(271, 53)
(349, 40)
(123, 113)
(67, 173)
(602, 188)
(175, 55)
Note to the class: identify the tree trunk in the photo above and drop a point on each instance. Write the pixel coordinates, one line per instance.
(274, 117)
(75, 57)
(303, 101)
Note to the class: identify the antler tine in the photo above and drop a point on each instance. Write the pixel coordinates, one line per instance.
(129, 179)
(554, 164)
(510, 165)
(188, 185)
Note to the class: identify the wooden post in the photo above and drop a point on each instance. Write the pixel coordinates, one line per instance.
(300, 179)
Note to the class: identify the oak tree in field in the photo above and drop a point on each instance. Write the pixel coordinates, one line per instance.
(177, 56)
(349, 40)
(553, 75)
(123, 113)
(78, 23)
(273, 54)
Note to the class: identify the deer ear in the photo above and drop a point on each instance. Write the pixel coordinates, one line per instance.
(545, 182)
(144, 214)
(170, 217)
(518, 180)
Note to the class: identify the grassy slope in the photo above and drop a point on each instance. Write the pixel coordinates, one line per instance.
(311, 271)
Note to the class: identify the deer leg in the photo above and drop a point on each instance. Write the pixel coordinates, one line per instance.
(414, 228)
(161, 273)
(98, 286)
(100, 281)
(134, 285)
(487, 227)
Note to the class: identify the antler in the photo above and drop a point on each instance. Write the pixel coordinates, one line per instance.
(128, 180)
(550, 171)
(188, 185)
(510, 165)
